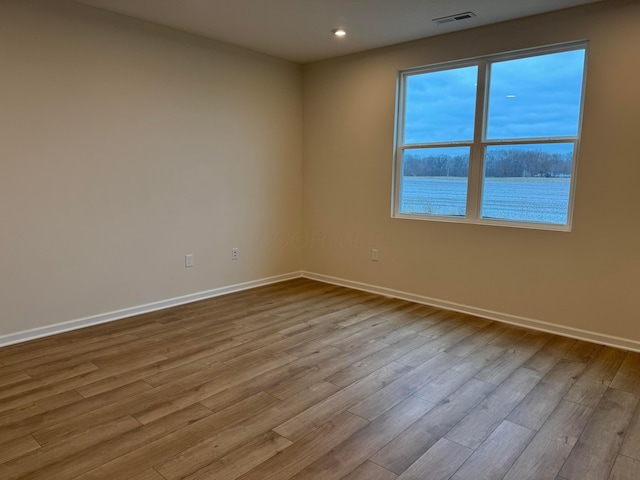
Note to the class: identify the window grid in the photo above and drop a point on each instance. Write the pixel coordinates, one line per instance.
(479, 144)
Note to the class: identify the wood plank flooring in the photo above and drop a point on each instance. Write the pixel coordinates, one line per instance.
(303, 380)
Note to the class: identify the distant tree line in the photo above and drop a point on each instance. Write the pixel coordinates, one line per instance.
(498, 163)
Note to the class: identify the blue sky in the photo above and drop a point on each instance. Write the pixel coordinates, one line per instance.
(530, 97)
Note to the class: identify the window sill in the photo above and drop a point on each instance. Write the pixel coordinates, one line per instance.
(484, 221)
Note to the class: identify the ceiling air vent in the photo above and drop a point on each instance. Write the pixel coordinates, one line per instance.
(454, 18)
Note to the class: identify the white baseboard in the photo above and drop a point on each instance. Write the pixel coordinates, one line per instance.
(40, 332)
(564, 331)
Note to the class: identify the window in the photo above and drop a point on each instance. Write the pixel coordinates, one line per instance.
(491, 140)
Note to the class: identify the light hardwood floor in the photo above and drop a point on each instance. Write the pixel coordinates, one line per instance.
(304, 380)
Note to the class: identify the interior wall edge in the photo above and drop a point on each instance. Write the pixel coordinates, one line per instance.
(35, 333)
(533, 324)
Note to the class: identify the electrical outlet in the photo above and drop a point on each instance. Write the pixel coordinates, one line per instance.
(234, 253)
(375, 255)
(188, 260)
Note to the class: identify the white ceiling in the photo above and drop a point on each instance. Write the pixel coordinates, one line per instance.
(300, 30)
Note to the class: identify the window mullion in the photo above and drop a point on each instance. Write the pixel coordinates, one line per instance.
(474, 188)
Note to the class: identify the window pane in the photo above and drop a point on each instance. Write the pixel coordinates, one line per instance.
(536, 96)
(440, 106)
(527, 183)
(434, 181)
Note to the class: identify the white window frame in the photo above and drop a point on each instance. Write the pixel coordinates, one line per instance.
(480, 142)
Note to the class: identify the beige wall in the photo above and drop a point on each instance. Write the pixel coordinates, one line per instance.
(124, 146)
(587, 279)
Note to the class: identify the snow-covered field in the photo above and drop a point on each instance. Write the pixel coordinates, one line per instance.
(529, 199)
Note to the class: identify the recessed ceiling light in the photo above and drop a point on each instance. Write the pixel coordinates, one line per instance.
(511, 96)
(339, 32)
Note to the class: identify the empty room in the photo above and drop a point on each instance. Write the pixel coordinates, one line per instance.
(302, 239)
